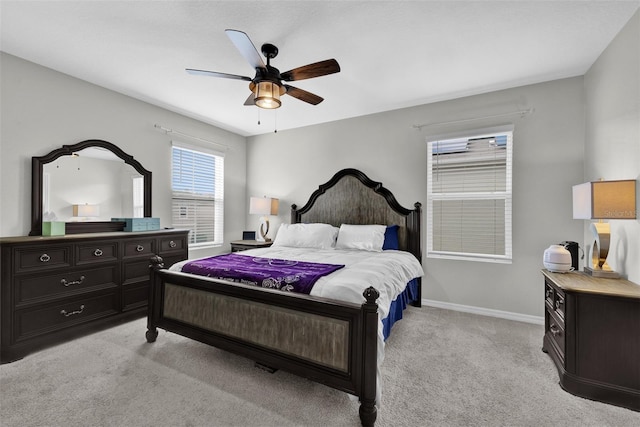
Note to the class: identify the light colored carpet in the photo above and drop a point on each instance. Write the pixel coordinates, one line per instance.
(442, 368)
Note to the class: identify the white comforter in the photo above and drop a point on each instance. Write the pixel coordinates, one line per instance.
(387, 271)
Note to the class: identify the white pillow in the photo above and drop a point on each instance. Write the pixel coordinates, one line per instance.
(362, 237)
(320, 236)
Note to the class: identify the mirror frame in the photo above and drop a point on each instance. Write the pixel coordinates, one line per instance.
(37, 164)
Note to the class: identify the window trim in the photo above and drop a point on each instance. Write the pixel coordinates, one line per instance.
(507, 196)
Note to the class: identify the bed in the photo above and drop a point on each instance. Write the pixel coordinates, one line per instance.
(331, 341)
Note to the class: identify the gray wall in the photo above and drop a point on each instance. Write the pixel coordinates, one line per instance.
(554, 148)
(548, 160)
(43, 109)
(612, 146)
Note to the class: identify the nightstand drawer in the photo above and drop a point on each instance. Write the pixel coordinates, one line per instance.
(32, 289)
(45, 319)
(96, 252)
(42, 258)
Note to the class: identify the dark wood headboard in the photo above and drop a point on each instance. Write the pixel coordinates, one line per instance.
(350, 197)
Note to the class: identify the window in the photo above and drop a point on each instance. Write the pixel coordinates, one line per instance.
(469, 197)
(197, 182)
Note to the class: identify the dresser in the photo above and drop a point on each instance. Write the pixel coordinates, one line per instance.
(592, 334)
(60, 287)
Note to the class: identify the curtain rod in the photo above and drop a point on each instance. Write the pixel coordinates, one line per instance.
(522, 113)
(177, 132)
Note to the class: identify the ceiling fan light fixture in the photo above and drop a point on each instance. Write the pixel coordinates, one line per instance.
(268, 95)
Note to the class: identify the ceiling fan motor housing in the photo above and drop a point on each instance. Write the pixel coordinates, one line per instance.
(270, 74)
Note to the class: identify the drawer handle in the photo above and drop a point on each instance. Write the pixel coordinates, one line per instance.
(44, 258)
(172, 244)
(73, 282)
(559, 303)
(139, 248)
(548, 293)
(97, 252)
(66, 313)
(554, 329)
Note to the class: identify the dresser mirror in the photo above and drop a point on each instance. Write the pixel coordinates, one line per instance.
(86, 184)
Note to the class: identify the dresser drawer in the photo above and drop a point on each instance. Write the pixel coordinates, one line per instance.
(558, 304)
(96, 252)
(549, 295)
(44, 319)
(139, 247)
(37, 288)
(172, 244)
(135, 296)
(554, 299)
(42, 258)
(135, 271)
(556, 332)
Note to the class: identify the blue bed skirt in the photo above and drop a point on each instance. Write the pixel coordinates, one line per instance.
(409, 295)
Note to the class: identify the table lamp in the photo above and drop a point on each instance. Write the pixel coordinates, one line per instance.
(603, 200)
(263, 206)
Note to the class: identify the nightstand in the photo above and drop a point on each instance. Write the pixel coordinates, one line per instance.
(243, 245)
(592, 334)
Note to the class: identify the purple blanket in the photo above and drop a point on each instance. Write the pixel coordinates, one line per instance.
(286, 275)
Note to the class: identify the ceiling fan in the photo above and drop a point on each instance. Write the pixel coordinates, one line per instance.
(267, 85)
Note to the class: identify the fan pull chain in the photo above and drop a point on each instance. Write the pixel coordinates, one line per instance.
(275, 121)
(258, 117)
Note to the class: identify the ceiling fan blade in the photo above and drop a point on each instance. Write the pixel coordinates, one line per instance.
(251, 100)
(317, 69)
(216, 74)
(244, 44)
(303, 95)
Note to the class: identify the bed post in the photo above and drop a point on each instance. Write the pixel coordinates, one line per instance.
(413, 224)
(368, 411)
(154, 288)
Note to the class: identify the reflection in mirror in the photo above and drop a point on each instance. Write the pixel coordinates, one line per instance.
(91, 178)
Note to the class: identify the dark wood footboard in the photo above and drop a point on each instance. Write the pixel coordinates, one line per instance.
(330, 342)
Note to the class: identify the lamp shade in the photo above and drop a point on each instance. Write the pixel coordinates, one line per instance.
(86, 210)
(267, 95)
(263, 206)
(605, 200)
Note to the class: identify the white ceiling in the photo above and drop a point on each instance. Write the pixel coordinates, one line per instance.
(393, 54)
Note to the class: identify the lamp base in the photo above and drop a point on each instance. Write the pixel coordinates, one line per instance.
(264, 232)
(607, 274)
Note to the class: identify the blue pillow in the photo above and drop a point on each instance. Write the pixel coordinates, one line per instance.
(391, 238)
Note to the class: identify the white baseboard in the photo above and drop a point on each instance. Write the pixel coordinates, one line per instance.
(537, 320)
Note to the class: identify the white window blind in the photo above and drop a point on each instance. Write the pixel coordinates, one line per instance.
(469, 197)
(138, 196)
(197, 182)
